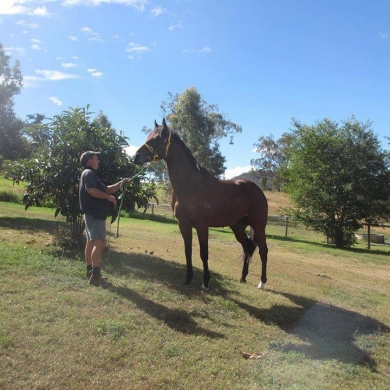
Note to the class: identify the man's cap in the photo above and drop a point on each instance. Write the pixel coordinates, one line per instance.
(86, 156)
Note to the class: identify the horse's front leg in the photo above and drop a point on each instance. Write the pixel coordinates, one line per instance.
(186, 232)
(203, 237)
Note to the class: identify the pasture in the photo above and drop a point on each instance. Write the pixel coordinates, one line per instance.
(323, 321)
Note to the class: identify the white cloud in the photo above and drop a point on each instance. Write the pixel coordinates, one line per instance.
(56, 75)
(206, 49)
(55, 100)
(158, 11)
(15, 50)
(230, 173)
(17, 7)
(12, 7)
(68, 65)
(28, 25)
(131, 149)
(384, 35)
(95, 73)
(40, 11)
(136, 48)
(137, 4)
(175, 26)
(36, 47)
(48, 75)
(91, 35)
(73, 38)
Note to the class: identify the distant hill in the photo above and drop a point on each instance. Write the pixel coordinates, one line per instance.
(254, 176)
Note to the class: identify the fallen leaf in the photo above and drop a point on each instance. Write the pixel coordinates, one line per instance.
(247, 355)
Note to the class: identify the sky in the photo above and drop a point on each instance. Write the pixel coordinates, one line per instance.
(262, 62)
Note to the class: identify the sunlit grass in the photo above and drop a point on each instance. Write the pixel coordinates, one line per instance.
(322, 323)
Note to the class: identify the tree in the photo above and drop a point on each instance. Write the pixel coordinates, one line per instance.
(200, 126)
(53, 172)
(338, 177)
(12, 143)
(273, 158)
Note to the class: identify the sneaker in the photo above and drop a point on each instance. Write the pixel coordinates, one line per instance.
(96, 279)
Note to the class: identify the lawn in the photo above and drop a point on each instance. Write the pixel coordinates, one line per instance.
(323, 321)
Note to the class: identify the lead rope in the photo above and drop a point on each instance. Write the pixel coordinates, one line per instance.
(123, 189)
(155, 156)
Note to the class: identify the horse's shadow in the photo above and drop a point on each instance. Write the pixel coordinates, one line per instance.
(326, 332)
(155, 269)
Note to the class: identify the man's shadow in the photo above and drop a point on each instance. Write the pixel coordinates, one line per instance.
(326, 332)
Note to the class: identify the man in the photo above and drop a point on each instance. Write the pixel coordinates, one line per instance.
(95, 199)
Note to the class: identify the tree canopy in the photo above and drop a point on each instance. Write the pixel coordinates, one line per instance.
(338, 177)
(200, 126)
(12, 143)
(272, 159)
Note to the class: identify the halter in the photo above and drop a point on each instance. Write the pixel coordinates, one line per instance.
(155, 154)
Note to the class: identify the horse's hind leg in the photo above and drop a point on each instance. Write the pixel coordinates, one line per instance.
(248, 247)
(261, 241)
(203, 237)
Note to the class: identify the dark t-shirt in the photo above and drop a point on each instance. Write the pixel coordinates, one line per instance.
(98, 208)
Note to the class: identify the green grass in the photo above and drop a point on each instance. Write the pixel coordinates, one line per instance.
(322, 323)
(11, 192)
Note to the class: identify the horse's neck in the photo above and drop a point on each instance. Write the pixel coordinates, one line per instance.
(183, 172)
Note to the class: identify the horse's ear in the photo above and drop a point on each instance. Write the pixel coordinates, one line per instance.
(155, 123)
(165, 130)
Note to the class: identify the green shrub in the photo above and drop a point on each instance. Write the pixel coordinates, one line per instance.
(10, 197)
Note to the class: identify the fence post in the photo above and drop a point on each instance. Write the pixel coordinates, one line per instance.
(152, 208)
(286, 226)
(369, 236)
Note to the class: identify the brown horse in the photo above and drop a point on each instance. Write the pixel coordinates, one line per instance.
(200, 201)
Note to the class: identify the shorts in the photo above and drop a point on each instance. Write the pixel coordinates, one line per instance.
(95, 229)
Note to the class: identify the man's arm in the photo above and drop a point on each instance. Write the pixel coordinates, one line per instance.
(115, 187)
(101, 195)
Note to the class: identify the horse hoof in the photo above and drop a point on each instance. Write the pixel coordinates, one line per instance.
(204, 288)
(242, 280)
(261, 286)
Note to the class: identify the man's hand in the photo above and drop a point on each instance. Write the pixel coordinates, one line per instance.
(125, 181)
(112, 199)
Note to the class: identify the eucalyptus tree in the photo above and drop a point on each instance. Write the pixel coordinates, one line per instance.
(200, 126)
(272, 159)
(338, 177)
(12, 143)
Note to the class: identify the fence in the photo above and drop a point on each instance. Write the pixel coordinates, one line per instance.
(286, 226)
(166, 210)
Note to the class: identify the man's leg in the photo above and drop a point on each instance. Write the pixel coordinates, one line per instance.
(96, 258)
(88, 257)
(96, 254)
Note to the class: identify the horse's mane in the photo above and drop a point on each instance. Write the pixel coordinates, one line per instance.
(185, 148)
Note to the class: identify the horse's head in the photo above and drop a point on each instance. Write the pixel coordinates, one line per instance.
(156, 146)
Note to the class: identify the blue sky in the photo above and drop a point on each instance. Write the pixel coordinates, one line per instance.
(262, 62)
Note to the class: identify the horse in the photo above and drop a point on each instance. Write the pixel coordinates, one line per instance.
(200, 200)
